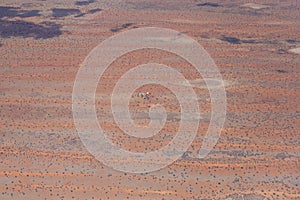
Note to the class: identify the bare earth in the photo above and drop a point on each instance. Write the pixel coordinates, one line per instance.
(255, 44)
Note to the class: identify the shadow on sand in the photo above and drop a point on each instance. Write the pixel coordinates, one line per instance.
(19, 28)
(11, 12)
(124, 26)
(10, 27)
(64, 12)
(209, 4)
(84, 3)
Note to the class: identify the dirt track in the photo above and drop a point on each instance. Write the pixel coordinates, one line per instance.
(42, 45)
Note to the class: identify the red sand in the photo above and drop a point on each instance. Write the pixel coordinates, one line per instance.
(257, 155)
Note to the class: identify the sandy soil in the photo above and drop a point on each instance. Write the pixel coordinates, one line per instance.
(42, 45)
(295, 50)
(255, 6)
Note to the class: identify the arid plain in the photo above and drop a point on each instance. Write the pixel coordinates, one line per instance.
(256, 46)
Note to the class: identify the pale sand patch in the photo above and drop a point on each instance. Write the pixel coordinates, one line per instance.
(180, 40)
(211, 83)
(187, 21)
(255, 6)
(295, 50)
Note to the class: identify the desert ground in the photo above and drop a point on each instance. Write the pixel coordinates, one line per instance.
(255, 45)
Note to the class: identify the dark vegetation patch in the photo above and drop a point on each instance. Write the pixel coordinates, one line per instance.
(269, 42)
(12, 12)
(94, 11)
(234, 40)
(30, 13)
(124, 26)
(64, 12)
(291, 41)
(282, 155)
(249, 41)
(20, 28)
(242, 153)
(84, 3)
(89, 12)
(186, 155)
(281, 51)
(231, 40)
(209, 4)
(281, 71)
